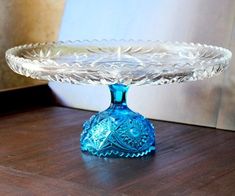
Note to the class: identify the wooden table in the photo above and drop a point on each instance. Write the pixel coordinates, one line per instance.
(40, 155)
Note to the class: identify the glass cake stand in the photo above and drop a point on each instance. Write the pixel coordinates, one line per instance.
(118, 131)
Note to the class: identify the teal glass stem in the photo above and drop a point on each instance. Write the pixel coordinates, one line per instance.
(118, 131)
(118, 94)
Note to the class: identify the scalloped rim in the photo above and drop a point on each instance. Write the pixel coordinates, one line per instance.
(8, 54)
(114, 154)
(11, 57)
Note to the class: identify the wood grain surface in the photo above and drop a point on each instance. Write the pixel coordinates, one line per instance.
(40, 155)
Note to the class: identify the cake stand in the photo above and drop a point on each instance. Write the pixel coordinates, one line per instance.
(118, 131)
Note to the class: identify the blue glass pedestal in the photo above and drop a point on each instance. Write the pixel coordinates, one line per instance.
(118, 131)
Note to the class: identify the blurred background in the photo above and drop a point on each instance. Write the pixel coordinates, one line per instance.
(209, 103)
(22, 22)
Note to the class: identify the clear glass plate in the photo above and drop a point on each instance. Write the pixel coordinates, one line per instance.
(118, 62)
(118, 131)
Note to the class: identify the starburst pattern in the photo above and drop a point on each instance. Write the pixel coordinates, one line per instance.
(118, 132)
(111, 61)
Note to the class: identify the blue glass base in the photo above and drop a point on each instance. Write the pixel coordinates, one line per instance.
(118, 132)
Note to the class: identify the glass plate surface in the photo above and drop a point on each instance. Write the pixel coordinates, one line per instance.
(118, 62)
